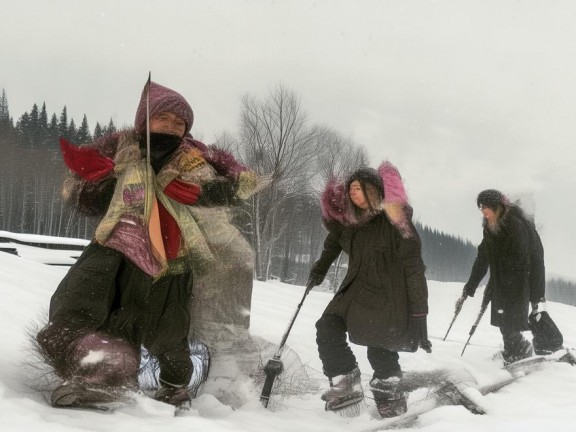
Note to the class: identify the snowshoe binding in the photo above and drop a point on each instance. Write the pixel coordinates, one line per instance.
(390, 401)
(455, 393)
(345, 391)
(522, 351)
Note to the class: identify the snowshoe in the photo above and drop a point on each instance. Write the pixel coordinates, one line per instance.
(569, 357)
(74, 395)
(345, 390)
(527, 365)
(523, 351)
(390, 401)
(452, 393)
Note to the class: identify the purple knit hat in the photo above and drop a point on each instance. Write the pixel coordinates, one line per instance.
(163, 99)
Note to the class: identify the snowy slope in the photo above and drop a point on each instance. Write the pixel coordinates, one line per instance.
(544, 400)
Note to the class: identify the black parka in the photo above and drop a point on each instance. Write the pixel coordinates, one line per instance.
(384, 284)
(514, 255)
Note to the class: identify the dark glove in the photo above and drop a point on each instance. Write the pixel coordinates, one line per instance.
(94, 197)
(418, 329)
(217, 193)
(87, 162)
(468, 290)
(538, 307)
(315, 279)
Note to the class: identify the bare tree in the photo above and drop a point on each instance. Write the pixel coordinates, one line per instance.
(276, 139)
(337, 156)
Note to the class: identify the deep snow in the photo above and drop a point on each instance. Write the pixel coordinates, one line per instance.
(544, 400)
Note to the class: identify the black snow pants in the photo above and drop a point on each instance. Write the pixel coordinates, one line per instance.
(105, 294)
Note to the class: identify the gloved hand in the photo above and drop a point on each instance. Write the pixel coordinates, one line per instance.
(418, 329)
(87, 162)
(314, 279)
(217, 193)
(468, 290)
(94, 198)
(537, 308)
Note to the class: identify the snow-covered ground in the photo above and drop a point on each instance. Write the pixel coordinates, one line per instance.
(544, 400)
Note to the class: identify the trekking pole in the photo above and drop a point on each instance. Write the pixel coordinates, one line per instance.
(459, 304)
(274, 366)
(148, 119)
(483, 307)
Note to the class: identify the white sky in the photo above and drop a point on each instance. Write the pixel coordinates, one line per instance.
(541, 401)
(460, 95)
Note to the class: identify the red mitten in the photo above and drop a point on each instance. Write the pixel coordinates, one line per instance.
(85, 161)
(185, 193)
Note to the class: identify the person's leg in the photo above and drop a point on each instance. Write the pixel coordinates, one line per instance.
(338, 363)
(385, 384)
(335, 353)
(167, 315)
(175, 373)
(80, 305)
(384, 363)
(516, 347)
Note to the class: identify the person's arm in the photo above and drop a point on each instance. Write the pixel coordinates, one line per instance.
(329, 254)
(410, 251)
(86, 162)
(234, 181)
(218, 192)
(516, 256)
(91, 185)
(537, 267)
(479, 270)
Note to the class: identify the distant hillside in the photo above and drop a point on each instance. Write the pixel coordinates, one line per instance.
(447, 258)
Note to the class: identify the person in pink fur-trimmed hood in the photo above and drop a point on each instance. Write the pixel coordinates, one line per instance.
(382, 302)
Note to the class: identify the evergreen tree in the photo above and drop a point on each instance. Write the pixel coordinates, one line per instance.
(72, 134)
(43, 126)
(34, 117)
(24, 130)
(111, 128)
(63, 125)
(83, 134)
(98, 131)
(53, 132)
(5, 120)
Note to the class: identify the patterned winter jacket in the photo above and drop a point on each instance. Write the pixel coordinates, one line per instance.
(128, 199)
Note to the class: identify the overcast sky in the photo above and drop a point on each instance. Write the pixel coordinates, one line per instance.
(460, 95)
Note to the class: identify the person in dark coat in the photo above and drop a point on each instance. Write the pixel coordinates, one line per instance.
(511, 249)
(132, 286)
(382, 303)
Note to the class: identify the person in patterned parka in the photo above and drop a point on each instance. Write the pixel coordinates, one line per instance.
(132, 285)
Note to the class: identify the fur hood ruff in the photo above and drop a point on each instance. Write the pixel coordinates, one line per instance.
(337, 207)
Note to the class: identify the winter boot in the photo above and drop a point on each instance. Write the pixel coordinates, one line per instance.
(98, 369)
(180, 396)
(521, 351)
(390, 401)
(345, 390)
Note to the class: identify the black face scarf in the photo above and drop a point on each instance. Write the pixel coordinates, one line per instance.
(162, 147)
